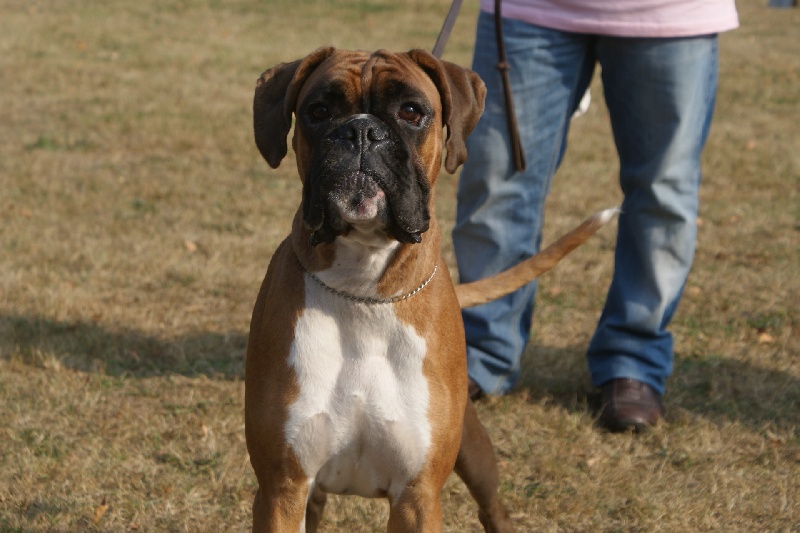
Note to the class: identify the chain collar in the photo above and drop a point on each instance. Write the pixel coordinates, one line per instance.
(364, 299)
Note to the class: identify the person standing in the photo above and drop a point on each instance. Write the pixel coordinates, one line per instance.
(658, 61)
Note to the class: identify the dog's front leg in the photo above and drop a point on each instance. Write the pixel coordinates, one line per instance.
(417, 510)
(281, 508)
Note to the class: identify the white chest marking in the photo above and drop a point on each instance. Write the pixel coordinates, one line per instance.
(359, 424)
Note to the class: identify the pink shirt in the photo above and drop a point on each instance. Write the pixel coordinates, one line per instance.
(624, 18)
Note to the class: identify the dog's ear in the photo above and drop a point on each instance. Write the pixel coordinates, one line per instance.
(462, 93)
(275, 97)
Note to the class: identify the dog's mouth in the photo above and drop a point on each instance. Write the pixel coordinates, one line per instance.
(358, 199)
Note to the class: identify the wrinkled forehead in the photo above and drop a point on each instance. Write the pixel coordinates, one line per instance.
(363, 78)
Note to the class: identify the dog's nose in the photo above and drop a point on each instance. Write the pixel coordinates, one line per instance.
(363, 132)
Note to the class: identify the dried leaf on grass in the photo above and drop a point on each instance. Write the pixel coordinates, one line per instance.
(100, 511)
(765, 338)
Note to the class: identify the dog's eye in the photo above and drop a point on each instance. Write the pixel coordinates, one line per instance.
(410, 113)
(319, 112)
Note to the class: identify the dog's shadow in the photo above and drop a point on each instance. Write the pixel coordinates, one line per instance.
(717, 389)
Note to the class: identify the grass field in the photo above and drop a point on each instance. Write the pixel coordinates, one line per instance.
(137, 219)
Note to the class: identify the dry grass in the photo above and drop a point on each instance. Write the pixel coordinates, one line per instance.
(137, 218)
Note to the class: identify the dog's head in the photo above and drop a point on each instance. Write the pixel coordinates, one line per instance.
(368, 134)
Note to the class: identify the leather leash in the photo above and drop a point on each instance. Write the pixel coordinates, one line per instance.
(447, 27)
(502, 66)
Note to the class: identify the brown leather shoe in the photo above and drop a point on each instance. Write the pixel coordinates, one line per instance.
(474, 391)
(630, 404)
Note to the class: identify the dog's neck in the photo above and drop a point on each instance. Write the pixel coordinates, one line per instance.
(366, 262)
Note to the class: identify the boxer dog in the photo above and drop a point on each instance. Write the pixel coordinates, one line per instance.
(356, 380)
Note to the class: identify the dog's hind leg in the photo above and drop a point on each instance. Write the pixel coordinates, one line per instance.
(476, 465)
(314, 508)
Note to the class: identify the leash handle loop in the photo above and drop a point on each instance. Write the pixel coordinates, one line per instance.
(502, 66)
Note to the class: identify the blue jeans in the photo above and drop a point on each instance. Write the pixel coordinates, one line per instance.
(660, 96)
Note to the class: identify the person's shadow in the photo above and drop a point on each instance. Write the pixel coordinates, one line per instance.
(718, 389)
(86, 346)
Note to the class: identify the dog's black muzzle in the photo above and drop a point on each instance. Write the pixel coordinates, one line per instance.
(353, 160)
